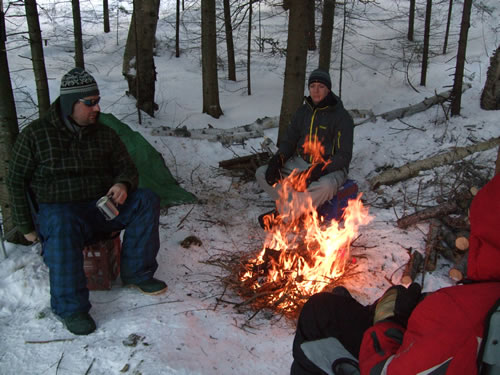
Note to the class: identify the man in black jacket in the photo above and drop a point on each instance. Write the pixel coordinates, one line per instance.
(321, 121)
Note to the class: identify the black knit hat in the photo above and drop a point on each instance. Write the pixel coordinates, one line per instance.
(76, 84)
(322, 76)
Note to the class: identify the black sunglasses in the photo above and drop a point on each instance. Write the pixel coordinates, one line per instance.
(90, 102)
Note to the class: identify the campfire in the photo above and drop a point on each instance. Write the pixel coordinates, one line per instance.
(302, 253)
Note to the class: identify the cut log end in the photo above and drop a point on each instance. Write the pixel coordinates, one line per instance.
(455, 274)
(462, 243)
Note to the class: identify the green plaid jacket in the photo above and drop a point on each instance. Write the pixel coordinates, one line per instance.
(61, 166)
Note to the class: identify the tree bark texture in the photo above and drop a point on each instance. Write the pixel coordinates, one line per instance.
(393, 175)
(490, 97)
(37, 58)
(8, 130)
(427, 32)
(311, 33)
(325, 42)
(411, 20)
(231, 64)
(77, 32)
(456, 100)
(138, 60)
(177, 28)
(296, 60)
(105, 14)
(211, 103)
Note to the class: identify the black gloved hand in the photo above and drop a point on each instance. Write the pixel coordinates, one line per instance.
(406, 301)
(397, 303)
(315, 172)
(273, 173)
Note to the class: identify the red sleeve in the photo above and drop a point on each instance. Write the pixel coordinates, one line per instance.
(380, 343)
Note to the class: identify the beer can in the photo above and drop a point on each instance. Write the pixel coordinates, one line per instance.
(107, 208)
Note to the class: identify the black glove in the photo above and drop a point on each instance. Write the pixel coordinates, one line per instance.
(315, 172)
(397, 303)
(405, 303)
(273, 173)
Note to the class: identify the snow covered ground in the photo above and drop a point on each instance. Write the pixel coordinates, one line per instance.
(188, 330)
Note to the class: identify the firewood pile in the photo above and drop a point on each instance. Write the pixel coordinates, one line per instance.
(447, 237)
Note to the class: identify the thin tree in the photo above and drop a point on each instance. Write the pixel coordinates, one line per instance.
(210, 83)
(448, 22)
(250, 12)
(77, 32)
(325, 42)
(105, 13)
(8, 132)
(296, 60)
(138, 60)
(177, 28)
(231, 64)
(341, 73)
(411, 20)
(37, 58)
(427, 32)
(459, 69)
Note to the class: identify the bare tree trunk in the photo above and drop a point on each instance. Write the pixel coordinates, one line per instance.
(77, 31)
(211, 103)
(105, 13)
(459, 69)
(490, 97)
(138, 61)
(325, 42)
(311, 34)
(249, 49)
(342, 51)
(177, 28)
(8, 130)
(37, 58)
(447, 33)
(296, 60)
(427, 32)
(411, 20)
(231, 64)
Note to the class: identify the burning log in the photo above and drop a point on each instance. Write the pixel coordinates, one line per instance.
(412, 268)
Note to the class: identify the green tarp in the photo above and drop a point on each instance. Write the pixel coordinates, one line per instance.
(153, 173)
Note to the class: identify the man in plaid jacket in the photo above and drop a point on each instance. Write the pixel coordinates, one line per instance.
(69, 160)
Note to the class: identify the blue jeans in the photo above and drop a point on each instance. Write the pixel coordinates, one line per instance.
(65, 228)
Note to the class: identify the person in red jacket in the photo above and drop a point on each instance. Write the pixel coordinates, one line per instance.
(402, 332)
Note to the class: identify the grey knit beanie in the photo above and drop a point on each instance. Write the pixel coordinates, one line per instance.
(322, 76)
(76, 84)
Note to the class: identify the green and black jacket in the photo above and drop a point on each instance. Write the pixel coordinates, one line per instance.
(62, 166)
(328, 123)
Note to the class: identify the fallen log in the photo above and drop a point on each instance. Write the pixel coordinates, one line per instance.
(427, 213)
(412, 268)
(420, 107)
(430, 260)
(244, 162)
(393, 175)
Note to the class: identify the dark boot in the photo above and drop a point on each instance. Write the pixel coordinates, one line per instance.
(273, 214)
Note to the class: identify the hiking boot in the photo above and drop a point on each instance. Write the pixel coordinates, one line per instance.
(273, 214)
(79, 323)
(151, 287)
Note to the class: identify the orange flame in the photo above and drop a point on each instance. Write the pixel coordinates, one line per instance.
(300, 247)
